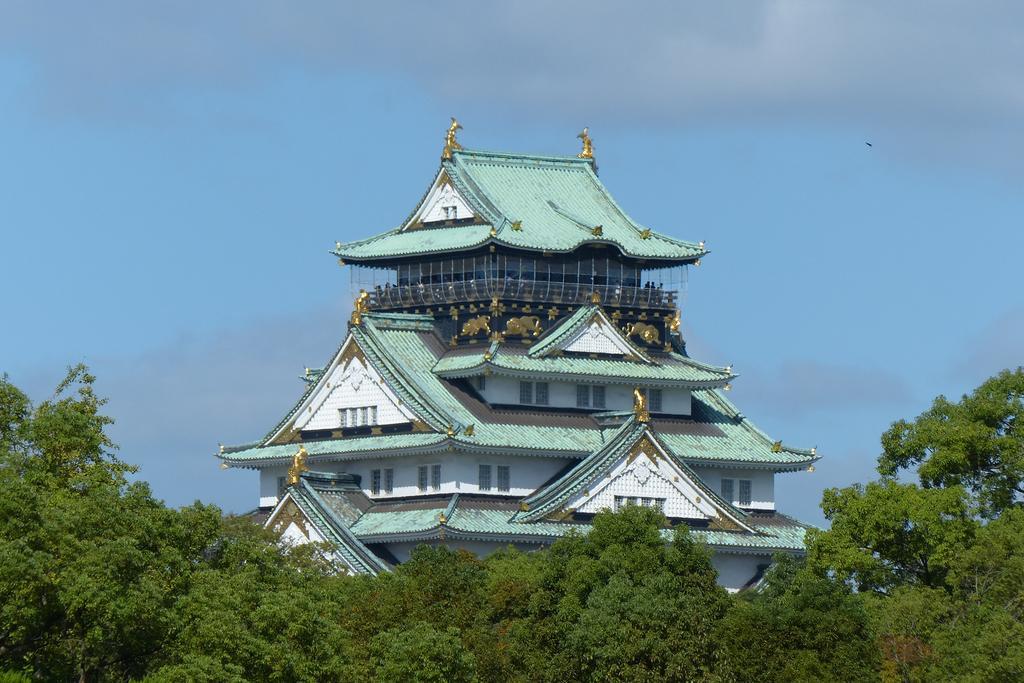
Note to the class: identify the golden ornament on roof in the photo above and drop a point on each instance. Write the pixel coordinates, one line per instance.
(777, 447)
(674, 320)
(588, 145)
(640, 406)
(298, 466)
(360, 306)
(450, 143)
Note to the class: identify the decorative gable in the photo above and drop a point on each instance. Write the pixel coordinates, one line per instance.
(352, 395)
(643, 477)
(349, 392)
(292, 525)
(443, 203)
(599, 336)
(647, 475)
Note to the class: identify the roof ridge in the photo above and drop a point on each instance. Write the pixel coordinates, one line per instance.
(365, 555)
(520, 156)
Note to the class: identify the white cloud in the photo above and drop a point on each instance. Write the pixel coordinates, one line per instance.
(920, 64)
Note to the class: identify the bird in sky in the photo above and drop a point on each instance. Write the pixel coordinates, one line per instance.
(869, 144)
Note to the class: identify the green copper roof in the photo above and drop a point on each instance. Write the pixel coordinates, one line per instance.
(553, 338)
(406, 354)
(403, 443)
(478, 522)
(356, 555)
(554, 202)
(553, 497)
(674, 370)
(735, 438)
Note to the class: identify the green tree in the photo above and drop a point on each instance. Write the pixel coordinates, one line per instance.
(800, 626)
(888, 534)
(976, 443)
(620, 603)
(421, 653)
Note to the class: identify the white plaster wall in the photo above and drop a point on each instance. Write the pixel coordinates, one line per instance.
(505, 390)
(762, 484)
(440, 197)
(735, 571)
(459, 473)
(402, 551)
(268, 484)
(293, 535)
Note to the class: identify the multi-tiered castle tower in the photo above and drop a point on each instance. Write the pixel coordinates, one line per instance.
(514, 365)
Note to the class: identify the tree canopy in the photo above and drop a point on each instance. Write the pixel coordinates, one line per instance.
(913, 581)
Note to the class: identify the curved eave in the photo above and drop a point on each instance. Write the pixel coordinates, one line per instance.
(485, 367)
(447, 532)
(457, 443)
(348, 257)
(774, 466)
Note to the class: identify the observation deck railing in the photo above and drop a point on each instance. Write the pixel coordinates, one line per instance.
(530, 291)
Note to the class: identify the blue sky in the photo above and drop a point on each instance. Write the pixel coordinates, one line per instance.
(171, 179)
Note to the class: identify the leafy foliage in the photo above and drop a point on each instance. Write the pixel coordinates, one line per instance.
(913, 582)
(976, 443)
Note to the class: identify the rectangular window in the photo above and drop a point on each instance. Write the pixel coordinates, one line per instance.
(375, 482)
(582, 396)
(373, 414)
(504, 475)
(435, 477)
(485, 478)
(362, 417)
(481, 383)
(744, 492)
(597, 396)
(654, 399)
(727, 491)
(389, 480)
(526, 392)
(421, 480)
(280, 487)
(540, 396)
(656, 503)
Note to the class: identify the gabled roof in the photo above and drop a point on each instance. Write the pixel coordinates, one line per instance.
(735, 439)
(537, 203)
(673, 370)
(331, 526)
(349, 520)
(405, 351)
(553, 497)
(556, 339)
